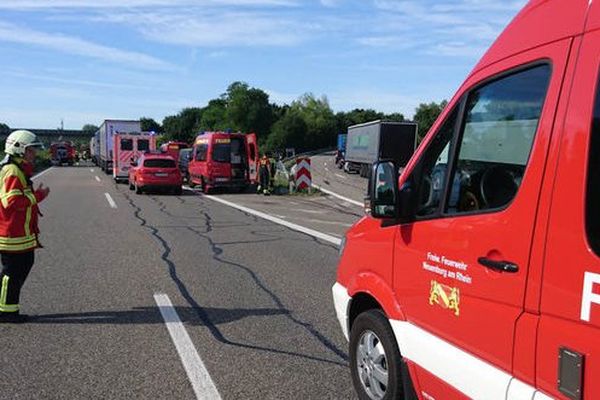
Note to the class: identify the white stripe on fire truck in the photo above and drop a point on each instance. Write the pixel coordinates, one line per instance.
(475, 377)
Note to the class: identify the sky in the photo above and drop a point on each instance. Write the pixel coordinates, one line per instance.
(83, 61)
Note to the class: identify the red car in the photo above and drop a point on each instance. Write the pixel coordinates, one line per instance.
(155, 172)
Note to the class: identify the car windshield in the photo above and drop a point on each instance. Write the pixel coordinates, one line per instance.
(222, 153)
(159, 163)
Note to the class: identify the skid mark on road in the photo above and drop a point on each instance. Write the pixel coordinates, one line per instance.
(201, 313)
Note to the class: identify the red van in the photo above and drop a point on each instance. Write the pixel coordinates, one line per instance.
(227, 160)
(154, 171)
(477, 272)
(172, 148)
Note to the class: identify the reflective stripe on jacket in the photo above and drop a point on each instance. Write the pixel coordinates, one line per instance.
(18, 211)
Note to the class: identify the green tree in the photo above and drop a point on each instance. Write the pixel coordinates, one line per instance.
(248, 109)
(89, 129)
(289, 131)
(150, 125)
(214, 116)
(183, 126)
(426, 114)
(319, 119)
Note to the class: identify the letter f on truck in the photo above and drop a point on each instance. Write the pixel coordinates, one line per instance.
(588, 297)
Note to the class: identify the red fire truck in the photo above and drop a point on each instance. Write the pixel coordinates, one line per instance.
(62, 153)
(477, 273)
(128, 147)
(172, 148)
(227, 160)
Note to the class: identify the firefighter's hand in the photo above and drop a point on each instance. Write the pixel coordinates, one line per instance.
(42, 192)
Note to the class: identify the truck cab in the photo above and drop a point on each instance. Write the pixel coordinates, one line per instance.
(223, 160)
(476, 273)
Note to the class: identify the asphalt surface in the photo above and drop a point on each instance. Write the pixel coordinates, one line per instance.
(327, 175)
(254, 297)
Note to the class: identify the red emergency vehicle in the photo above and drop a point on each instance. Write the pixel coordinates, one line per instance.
(155, 171)
(477, 274)
(128, 147)
(172, 148)
(228, 160)
(62, 153)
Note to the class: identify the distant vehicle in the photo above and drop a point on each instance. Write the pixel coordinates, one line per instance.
(129, 147)
(172, 148)
(155, 171)
(62, 153)
(228, 160)
(106, 133)
(340, 153)
(95, 148)
(185, 155)
(379, 140)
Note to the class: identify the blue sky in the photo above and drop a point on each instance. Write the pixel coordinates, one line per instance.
(87, 60)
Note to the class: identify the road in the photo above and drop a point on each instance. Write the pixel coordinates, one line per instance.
(326, 175)
(254, 298)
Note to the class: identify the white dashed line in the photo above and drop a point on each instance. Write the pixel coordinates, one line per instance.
(203, 386)
(92, 170)
(111, 202)
(98, 179)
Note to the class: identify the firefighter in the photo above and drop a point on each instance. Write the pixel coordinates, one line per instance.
(264, 174)
(18, 220)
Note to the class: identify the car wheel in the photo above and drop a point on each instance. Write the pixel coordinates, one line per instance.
(131, 187)
(375, 361)
(138, 190)
(204, 186)
(178, 191)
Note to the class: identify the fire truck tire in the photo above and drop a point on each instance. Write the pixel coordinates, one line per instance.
(131, 187)
(375, 361)
(204, 186)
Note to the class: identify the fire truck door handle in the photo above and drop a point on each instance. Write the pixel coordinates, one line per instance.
(502, 266)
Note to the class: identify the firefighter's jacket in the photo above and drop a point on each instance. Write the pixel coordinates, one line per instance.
(18, 211)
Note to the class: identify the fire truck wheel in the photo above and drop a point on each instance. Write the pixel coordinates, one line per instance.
(131, 187)
(375, 360)
(204, 186)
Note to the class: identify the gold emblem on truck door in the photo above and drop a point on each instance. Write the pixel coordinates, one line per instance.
(445, 296)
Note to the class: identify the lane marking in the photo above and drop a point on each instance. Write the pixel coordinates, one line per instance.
(111, 202)
(92, 170)
(340, 176)
(311, 232)
(346, 199)
(203, 386)
(42, 173)
(311, 211)
(98, 179)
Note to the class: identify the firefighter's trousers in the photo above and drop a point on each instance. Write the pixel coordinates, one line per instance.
(15, 268)
(263, 173)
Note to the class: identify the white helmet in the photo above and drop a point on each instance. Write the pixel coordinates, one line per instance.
(18, 141)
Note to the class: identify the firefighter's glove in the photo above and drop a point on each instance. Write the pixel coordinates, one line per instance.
(41, 192)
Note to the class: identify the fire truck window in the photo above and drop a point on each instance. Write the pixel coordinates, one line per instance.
(159, 163)
(222, 153)
(201, 152)
(127, 144)
(592, 214)
(433, 166)
(500, 122)
(143, 145)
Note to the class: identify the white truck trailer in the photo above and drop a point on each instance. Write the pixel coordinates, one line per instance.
(106, 133)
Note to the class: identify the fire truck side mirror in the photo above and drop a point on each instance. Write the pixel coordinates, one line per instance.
(383, 191)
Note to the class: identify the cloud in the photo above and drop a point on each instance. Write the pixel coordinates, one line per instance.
(330, 3)
(210, 28)
(73, 45)
(98, 4)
